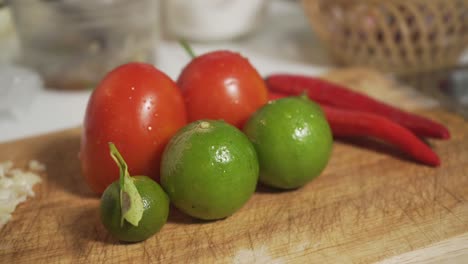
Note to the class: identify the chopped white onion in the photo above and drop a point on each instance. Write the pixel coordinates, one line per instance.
(16, 186)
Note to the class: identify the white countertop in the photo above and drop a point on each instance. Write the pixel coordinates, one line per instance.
(278, 47)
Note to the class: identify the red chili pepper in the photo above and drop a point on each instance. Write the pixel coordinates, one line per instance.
(352, 123)
(274, 95)
(331, 94)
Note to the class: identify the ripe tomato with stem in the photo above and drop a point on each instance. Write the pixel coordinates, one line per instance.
(221, 85)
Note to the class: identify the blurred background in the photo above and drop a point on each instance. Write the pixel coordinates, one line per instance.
(53, 52)
(72, 43)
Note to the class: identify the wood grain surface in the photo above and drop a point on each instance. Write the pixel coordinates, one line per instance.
(371, 204)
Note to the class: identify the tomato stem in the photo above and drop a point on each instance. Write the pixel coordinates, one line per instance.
(187, 48)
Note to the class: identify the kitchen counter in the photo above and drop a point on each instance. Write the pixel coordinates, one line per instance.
(371, 204)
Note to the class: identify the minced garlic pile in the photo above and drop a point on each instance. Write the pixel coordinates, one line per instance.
(16, 186)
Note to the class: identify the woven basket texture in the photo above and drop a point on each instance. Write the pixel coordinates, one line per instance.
(401, 36)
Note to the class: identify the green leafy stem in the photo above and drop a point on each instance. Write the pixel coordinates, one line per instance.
(131, 204)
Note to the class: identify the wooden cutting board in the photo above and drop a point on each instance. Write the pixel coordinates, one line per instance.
(371, 204)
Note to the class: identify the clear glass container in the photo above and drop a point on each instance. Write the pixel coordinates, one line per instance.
(74, 43)
(213, 20)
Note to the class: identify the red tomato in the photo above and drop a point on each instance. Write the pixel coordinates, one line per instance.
(222, 85)
(136, 107)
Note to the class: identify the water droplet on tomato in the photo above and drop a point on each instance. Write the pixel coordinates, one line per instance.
(133, 88)
(204, 125)
(130, 97)
(147, 104)
(150, 128)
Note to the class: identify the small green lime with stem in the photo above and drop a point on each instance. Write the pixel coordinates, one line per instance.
(133, 208)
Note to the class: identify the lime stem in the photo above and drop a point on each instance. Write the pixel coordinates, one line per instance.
(117, 157)
(123, 170)
(187, 48)
(131, 204)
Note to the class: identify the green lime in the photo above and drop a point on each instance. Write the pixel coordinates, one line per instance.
(133, 208)
(292, 139)
(209, 169)
(155, 215)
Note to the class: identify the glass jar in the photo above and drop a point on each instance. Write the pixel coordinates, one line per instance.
(213, 20)
(74, 43)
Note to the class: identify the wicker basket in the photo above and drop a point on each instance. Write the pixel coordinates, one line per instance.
(401, 36)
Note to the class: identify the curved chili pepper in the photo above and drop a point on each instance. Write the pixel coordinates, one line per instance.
(331, 94)
(352, 123)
